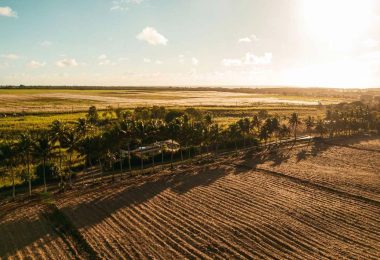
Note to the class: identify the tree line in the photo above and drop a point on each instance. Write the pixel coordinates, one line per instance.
(101, 139)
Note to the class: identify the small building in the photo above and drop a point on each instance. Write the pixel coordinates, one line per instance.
(153, 149)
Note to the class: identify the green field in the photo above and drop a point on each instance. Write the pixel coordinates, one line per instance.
(36, 108)
(64, 100)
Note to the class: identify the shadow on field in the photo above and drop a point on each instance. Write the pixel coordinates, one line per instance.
(101, 207)
(21, 226)
(352, 141)
(11, 241)
(276, 156)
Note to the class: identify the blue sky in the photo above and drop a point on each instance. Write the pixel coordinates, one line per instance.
(190, 42)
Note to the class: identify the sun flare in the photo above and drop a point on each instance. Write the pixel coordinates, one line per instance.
(338, 22)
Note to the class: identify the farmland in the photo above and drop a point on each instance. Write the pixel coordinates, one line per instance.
(228, 207)
(36, 108)
(60, 100)
(249, 175)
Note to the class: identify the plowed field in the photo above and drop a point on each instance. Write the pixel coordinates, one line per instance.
(312, 202)
(26, 233)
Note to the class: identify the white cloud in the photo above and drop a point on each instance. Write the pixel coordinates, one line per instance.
(194, 61)
(4, 65)
(181, 59)
(252, 59)
(151, 36)
(123, 5)
(36, 64)
(67, 63)
(232, 62)
(7, 11)
(158, 62)
(246, 39)
(104, 61)
(249, 59)
(102, 57)
(252, 38)
(46, 43)
(146, 60)
(10, 56)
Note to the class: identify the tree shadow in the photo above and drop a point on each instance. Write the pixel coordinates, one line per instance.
(99, 207)
(182, 184)
(11, 242)
(318, 148)
(21, 227)
(275, 155)
(301, 155)
(350, 142)
(278, 157)
(250, 159)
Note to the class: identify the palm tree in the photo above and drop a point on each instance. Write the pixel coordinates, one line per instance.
(92, 115)
(111, 158)
(275, 127)
(82, 127)
(264, 133)
(57, 134)
(7, 159)
(234, 134)
(88, 148)
(294, 122)
(207, 121)
(43, 148)
(284, 131)
(215, 135)
(173, 131)
(185, 133)
(25, 148)
(309, 123)
(127, 134)
(70, 142)
(244, 126)
(320, 127)
(112, 143)
(57, 131)
(139, 128)
(255, 124)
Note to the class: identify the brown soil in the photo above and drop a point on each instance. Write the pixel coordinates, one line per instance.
(313, 202)
(26, 233)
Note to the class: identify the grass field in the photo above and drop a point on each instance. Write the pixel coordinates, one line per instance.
(286, 206)
(37, 108)
(60, 100)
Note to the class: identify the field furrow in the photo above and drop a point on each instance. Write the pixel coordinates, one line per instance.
(225, 209)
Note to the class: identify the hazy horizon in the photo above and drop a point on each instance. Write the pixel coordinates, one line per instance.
(247, 43)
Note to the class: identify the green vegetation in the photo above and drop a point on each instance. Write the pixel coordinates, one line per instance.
(59, 100)
(112, 138)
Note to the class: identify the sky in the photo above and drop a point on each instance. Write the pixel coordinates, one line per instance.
(324, 43)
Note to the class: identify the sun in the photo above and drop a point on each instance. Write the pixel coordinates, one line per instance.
(337, 22)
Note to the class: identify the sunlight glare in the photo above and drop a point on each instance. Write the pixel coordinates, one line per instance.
(337, 22)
